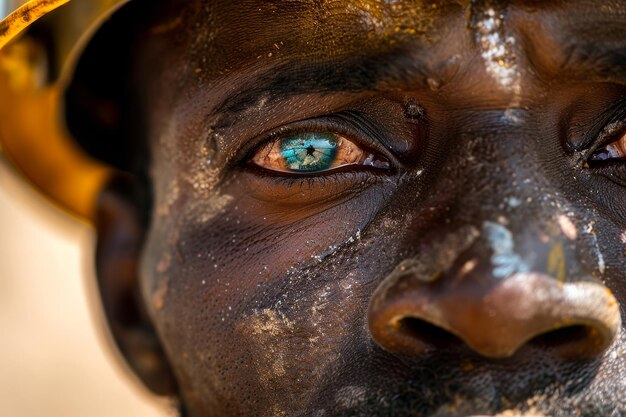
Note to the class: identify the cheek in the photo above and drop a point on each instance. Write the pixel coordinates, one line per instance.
(297, 343)
(248, 304)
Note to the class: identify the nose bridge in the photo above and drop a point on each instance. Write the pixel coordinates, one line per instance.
(493, 166)
(499, 233)
(498, 187)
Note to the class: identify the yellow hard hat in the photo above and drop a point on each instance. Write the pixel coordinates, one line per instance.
(40, 42)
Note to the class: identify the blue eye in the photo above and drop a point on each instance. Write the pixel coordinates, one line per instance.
(309, 152)
(613, 151)
(314, 152)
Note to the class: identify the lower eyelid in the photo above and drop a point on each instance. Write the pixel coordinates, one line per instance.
(298, 190)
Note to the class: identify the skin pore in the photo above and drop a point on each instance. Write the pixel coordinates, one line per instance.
(265, 288)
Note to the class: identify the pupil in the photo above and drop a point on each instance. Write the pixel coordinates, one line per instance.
(309, 152)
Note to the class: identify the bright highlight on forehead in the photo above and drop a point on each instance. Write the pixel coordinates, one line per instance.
(497, 50)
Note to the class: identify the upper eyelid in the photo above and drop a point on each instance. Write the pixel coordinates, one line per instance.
(593, 133)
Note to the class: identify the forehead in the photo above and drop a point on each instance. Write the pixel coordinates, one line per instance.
(228, 55)
(285, 47)
(243, 32)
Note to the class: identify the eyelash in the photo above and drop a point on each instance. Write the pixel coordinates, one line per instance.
(350, 126)
(332, 177)
(612, 132)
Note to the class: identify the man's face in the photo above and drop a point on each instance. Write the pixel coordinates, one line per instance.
(389, 208)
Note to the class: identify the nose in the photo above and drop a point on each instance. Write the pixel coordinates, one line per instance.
(496, 318)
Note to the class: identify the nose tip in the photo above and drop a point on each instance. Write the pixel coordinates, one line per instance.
(576, 320)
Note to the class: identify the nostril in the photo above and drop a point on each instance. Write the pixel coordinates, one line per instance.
(426, 332)
(574, 320)
(574, 341)
(562, 336)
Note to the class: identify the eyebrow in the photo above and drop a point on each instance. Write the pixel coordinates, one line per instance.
(595, 46)
(346, 74)
(606, 62)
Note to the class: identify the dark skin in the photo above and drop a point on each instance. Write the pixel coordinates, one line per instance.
(480, 272)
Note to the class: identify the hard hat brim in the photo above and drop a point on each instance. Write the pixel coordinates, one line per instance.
(33, 136)
(20, 19)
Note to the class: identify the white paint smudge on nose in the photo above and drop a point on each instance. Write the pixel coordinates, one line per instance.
(514, 202)
(596, 248)
(567, 227)
(504, 259)
(623, 237)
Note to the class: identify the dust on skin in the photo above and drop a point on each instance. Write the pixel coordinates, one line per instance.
(385, 18)
(293, 336)
(350, 396)
(498, 52)
(199, 175)
(393, 20)
(272, 324)
(549, 398)
(272, 334)
(171, 209)
(440, 260)
(160, 293)
(158, 297)
(530, 412)
(511, 413)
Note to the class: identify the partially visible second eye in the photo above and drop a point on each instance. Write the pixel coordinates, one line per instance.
(315, 152)
(612, 151)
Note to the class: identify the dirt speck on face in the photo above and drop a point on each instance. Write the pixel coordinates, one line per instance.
(568, 227)
(350, 396)
(268, 325)
(164, 263)
(160, 294)
(511, 413)
(171, 194)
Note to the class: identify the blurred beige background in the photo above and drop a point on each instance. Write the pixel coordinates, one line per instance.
(54, 358)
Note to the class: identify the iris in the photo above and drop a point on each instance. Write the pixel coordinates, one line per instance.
(309, 152)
